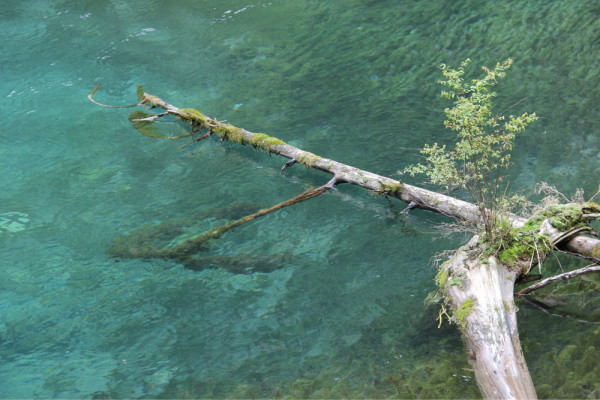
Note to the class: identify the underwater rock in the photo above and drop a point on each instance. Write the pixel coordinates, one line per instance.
(14, 222)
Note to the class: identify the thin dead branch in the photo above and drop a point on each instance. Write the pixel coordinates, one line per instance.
(105, 105)
(560, 277)
(595, 195)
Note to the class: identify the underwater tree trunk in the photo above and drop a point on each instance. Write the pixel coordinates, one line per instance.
(481, 293)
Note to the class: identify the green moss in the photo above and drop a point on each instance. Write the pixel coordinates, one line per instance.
(562, 217)
(565, 216)
(514, 253)
(465, 309)
(442, 277)
(506, 306)
(231, 133)
(596, 252)
(152, 100)
(521, 243)
(140, 93)
(308, 159)
(392, 189)
(192, 115)
(590, 207)
(457, 281)
(263, 141)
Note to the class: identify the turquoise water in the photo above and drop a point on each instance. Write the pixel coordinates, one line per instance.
(342, 314)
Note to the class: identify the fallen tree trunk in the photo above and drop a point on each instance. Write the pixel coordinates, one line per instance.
(422, 198)
(478, 287)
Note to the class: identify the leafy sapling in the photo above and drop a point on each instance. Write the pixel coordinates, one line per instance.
(484, 141)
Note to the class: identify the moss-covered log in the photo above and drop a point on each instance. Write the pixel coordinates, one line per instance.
(419, 197)
(424, 199)
(478, 287)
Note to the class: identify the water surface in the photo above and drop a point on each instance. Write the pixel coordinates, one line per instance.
(342, 315)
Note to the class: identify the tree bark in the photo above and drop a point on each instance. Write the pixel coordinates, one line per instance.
(481, 294)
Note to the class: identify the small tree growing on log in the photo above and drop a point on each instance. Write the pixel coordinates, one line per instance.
(483, 147)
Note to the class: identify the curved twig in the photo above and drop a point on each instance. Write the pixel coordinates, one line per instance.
(589, 258)
(595, 195)
(90, 94)
(207, 134)
(289, 164)
(410, 206)
(151, 118)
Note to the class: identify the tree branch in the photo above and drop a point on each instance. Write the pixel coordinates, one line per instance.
(560, 277)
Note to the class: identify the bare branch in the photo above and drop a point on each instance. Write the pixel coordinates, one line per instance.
(152, 118)
(191, 246)
(560, 277)
(543, 187)
(207, 134)
(595, 195)
(289, 164)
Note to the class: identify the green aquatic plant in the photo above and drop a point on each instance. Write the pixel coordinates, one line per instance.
(146, 128)
(465, 309)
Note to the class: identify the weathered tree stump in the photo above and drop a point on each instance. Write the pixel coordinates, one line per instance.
(481, 293)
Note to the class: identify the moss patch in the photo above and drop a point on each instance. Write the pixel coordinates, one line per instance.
(308, 159)
(457, 281)
(465, 309)
(231, 133)
(562, 216)
(442, 277)
(263, 141)
(140, 93)
(392, 189)
(192, 115)
(520, 244)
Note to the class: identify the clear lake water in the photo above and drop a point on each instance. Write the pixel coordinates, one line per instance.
(342, 314)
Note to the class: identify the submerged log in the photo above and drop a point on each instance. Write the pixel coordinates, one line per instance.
(478, 287)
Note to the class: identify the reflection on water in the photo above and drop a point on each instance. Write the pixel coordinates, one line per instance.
(342, 314)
